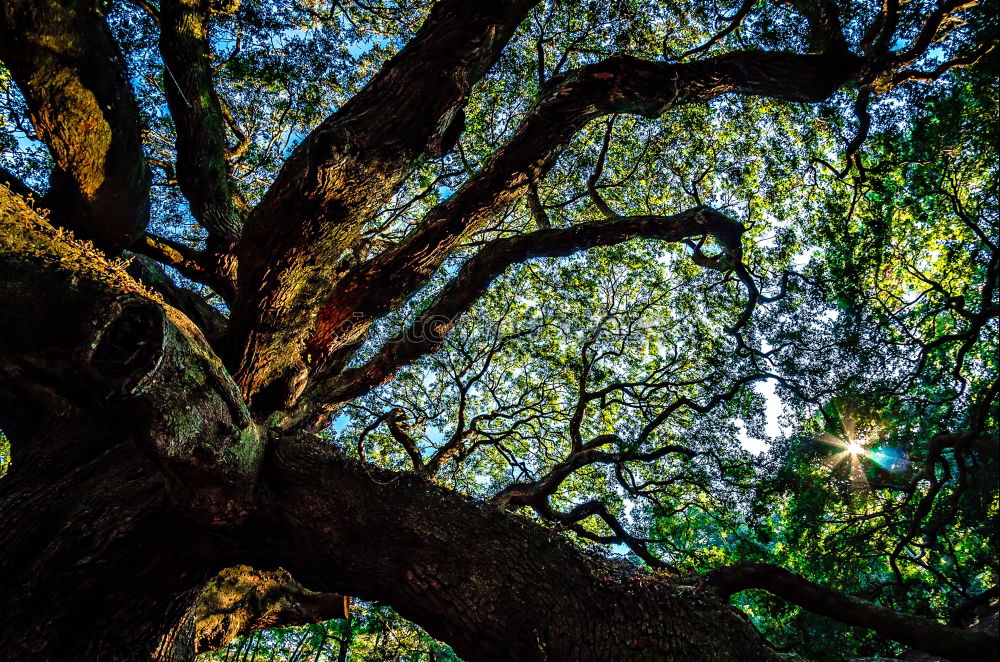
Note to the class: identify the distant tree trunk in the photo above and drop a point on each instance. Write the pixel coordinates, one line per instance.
(343, 645)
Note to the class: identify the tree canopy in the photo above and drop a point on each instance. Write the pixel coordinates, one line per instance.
(561, 330)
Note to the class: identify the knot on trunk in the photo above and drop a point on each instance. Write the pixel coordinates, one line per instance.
(127, 347)
(158, 372)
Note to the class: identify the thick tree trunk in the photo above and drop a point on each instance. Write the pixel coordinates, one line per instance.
(95, 563)
(130, 449)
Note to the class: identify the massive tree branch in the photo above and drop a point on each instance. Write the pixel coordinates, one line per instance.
(202, 167)
(620, 84)
(493, 585)
(921, 633)
(342, 172)
(72, 75)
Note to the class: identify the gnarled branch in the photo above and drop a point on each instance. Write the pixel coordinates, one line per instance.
(340, 174)
(926, 635)
(202, 164)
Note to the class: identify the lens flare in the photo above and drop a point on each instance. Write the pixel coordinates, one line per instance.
(852, 447)
(891, 459)
(857, 445)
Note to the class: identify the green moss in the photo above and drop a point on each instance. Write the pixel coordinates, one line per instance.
(26, 236)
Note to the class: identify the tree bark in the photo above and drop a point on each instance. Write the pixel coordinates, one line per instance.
(74, 80)
(96, 563)
(339, 175)
(202, 166)
(494, 585)
(130, 446)
(241, 600)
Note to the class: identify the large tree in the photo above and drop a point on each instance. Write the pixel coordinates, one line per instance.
(425, 303)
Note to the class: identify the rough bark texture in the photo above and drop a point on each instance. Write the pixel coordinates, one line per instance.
(451, 565)
(130, 443)
(72, 75)
(202, 168)
(202, 151)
